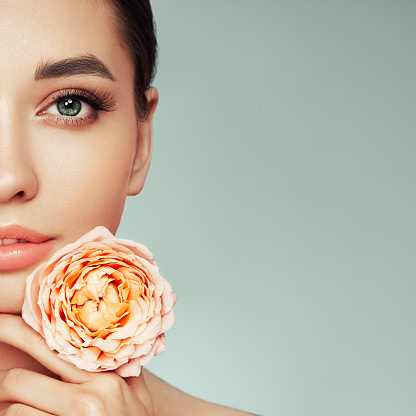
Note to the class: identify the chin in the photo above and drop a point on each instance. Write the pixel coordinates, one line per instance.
(12, 291)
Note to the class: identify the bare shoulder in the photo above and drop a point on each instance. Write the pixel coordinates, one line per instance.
(170, 401)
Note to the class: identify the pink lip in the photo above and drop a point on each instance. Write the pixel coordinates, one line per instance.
(21, 255)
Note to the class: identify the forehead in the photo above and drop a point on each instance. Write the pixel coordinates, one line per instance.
(41, 30)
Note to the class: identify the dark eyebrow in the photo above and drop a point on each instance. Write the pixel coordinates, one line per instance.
(87, 64)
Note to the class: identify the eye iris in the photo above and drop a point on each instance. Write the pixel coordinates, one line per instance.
(69, 107)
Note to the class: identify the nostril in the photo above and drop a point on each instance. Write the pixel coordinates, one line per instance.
(17, 183)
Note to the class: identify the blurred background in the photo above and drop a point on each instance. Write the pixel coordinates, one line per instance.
(281, 203)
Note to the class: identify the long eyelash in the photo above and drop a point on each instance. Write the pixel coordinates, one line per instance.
(98, 100)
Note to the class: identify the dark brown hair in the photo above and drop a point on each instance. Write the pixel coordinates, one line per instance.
(138, 34)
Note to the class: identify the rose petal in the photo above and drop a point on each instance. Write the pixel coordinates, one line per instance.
(130, 369)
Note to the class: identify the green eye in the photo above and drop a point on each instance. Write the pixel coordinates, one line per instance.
(69, 107)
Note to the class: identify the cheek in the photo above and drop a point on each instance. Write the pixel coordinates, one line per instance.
(87, 188)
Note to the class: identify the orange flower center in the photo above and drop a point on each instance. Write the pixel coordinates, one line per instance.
(100, 302)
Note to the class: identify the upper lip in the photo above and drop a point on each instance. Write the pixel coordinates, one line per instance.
(22, 233)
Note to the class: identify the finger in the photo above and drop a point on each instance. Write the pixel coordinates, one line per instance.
(139, 387)
(14, 331)
(33, 389)
(19, 409)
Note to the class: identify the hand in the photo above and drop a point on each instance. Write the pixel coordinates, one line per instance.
(79, 393)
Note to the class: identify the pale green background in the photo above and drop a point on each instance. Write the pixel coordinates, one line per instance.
(281, 203)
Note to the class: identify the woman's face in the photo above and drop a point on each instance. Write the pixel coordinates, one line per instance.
(66, 164)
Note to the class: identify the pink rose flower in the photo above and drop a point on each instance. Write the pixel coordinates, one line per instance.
(101, 303)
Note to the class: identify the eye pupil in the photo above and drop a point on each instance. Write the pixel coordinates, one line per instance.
(69, 107)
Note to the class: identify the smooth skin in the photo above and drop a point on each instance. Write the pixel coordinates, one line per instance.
(61, 176)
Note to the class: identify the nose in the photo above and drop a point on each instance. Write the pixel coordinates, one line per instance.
(18, 180)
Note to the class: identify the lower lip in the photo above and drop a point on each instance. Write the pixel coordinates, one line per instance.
(22, 255)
